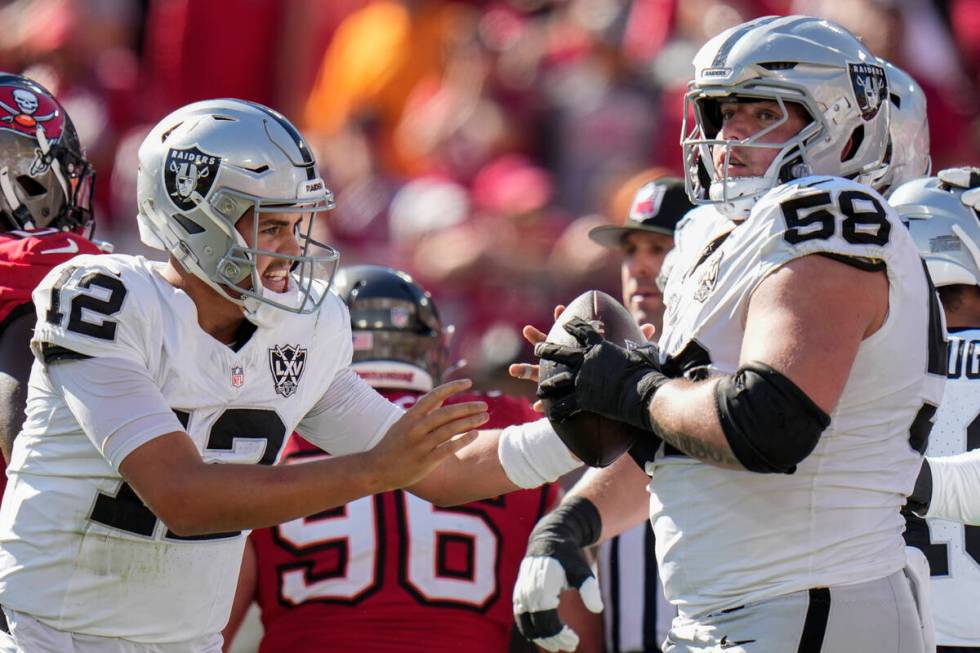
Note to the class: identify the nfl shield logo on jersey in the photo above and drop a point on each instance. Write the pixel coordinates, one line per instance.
(237, 376)
(287, 363)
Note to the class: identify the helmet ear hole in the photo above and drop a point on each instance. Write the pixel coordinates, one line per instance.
(853, 144)
(31, 186)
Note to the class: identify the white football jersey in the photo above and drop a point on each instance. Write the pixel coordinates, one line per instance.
(724, 537)
(953, 550)
(697, 227)
(79, 551)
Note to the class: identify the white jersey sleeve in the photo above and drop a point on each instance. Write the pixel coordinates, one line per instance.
(349, 406)
(956, 488)
(116, 403)
(823, 215)
(98, 307)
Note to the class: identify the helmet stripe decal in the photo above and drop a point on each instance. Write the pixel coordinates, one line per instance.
(726, 47)
(301, 145)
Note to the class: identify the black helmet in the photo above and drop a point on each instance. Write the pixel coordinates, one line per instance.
(45, 180)
(395, 323)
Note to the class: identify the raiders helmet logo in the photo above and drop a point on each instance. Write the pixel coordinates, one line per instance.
(870, 87)
(287, 364)
(188, 176)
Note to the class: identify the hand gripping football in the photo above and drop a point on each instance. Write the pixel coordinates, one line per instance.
(595, 440)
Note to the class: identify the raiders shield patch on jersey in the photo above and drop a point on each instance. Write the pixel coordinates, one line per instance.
(870, 87)
(188, 176)
(287, 364)
(708, 278)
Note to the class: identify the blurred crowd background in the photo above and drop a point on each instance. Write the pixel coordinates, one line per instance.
(472, 143)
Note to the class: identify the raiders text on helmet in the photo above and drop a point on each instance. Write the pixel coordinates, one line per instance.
(946, 231)
(45, 180)
(813, 63)
(399, 339)
(202, 168)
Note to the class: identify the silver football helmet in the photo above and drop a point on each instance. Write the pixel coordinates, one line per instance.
(945, 229)
(204, 167)
(814, 63)
(909, 130)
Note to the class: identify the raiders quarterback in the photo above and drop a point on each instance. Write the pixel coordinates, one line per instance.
(117, 533)
(943, 220)
(801, 361)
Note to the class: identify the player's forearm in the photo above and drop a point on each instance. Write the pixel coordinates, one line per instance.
(474, 473)
(685, 415)
(619, 493)
(222, 498)
(956, 488)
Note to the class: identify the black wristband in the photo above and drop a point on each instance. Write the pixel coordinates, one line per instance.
(575, 521)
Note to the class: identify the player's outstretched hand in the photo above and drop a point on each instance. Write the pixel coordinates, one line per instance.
(533, 335)
(554, 562)
(426, 435)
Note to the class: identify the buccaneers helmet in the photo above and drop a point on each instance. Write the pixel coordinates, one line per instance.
(399, 338)
(45, 180)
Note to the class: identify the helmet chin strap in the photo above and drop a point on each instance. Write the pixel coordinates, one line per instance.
(737, 196)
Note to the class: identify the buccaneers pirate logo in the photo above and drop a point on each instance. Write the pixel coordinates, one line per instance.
(188, 176)
(29, 111)
(287, 364)
(26, 111)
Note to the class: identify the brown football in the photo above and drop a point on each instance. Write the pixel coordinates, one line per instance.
(595, 440)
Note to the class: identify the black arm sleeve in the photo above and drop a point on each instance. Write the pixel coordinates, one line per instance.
(770, 424)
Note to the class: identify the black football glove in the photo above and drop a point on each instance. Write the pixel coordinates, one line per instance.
(554, 562)
(602, 378)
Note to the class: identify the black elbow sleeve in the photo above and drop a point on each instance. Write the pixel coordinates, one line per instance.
(770, 424)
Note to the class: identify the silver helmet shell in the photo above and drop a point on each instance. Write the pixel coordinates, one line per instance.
(909, 130)
(944, 228)
(814, 63)
(203, 168)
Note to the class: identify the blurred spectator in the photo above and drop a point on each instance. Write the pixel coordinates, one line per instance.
(473, 142)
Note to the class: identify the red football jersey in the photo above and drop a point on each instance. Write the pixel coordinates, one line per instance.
(27, 256)
(392, 572)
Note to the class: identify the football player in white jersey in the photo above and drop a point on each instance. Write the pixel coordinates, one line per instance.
(636, 616)
(796, 373)
(117, 533)
(945, 225)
